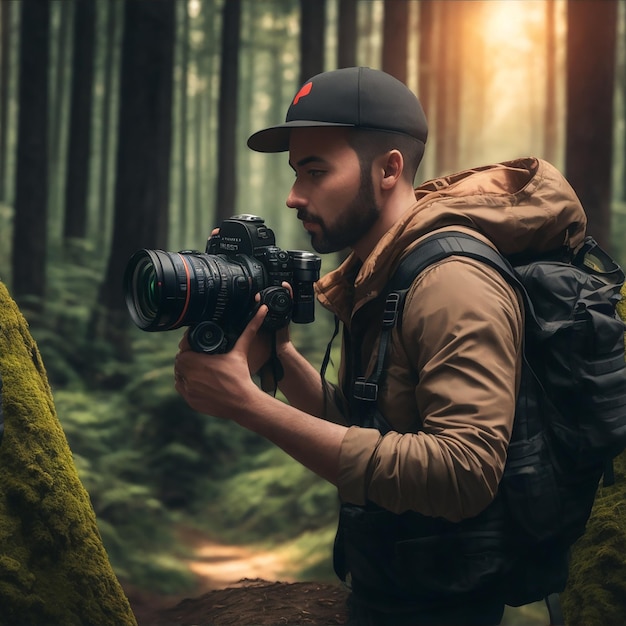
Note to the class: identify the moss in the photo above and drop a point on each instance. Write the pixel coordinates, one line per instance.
(53, 566)
(596, 590)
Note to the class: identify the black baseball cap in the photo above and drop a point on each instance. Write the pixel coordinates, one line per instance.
(357, 97)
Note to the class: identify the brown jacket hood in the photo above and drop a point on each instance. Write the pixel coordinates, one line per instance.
(525, 205)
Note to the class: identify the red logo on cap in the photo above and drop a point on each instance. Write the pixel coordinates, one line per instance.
(305, 91)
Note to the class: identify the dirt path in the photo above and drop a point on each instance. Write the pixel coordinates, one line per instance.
(218, 566)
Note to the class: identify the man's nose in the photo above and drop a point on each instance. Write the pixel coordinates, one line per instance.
(295, 199)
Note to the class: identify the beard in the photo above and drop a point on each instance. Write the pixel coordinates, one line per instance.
(351, 225)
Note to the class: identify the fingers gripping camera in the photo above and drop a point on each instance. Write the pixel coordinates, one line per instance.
(214, 292)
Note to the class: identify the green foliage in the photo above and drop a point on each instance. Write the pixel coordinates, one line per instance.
(134, 524)
(277, 502)
(314, 552)
(274, 497)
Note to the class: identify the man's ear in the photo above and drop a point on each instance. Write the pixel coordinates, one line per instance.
(393, 166)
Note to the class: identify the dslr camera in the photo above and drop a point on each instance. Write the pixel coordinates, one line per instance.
(214, 292)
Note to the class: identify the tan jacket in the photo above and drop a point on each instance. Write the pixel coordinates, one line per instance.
(454, 366)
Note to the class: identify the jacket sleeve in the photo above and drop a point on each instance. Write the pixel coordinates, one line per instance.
(462, 335)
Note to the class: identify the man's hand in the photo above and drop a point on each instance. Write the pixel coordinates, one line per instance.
(218, 384)
(261, 349)
(221, 385)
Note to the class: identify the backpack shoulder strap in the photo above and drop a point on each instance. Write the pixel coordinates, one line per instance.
(454, 243)
(442, 245)
(434, 248)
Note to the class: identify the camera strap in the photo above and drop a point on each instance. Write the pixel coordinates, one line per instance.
(272, 372)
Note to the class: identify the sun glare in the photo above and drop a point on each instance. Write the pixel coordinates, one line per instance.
(509, 20)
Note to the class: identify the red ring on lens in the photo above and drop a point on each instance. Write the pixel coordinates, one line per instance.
(188, 296)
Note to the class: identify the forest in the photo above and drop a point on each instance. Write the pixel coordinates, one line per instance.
(123, 126)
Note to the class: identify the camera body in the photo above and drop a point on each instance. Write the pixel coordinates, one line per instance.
(214, 292)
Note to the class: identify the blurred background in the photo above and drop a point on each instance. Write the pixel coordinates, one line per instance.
(123, 126)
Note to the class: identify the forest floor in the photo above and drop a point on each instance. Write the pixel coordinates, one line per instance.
(245, 586)
(236, 588)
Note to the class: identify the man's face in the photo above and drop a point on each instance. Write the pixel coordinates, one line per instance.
(334, 199)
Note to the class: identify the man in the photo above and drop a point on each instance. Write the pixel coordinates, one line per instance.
(420, 536)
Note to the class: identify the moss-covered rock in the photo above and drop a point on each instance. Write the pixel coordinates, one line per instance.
(53, 566)
(596, 590)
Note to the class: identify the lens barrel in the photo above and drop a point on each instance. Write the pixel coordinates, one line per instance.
(167, 290)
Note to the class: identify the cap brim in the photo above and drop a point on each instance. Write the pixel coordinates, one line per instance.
(276, 138)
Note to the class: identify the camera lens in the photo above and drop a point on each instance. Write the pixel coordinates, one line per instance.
(147, 289)
(148, 276)
(166, 290)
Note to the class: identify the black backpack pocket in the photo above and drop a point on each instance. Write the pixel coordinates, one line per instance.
(450, 565)
(364, 548)
(417, 558)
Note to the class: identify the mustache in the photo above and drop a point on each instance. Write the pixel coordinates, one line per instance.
(303, 216)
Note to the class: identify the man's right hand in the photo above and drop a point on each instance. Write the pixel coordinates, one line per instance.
(263, 348)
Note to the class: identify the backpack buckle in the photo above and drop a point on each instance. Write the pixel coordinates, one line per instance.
(390, 313)
(365, 390)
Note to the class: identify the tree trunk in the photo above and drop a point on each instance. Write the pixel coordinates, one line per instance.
(5, 80)
(550, 118)
(312, 38)
(447, 117)
(200, 125)
(107, 114)
(395, 38)
(426, 78)
(143, 156)
(476, 72)
(591, 36)
(79, 147)
(55, 569)
(204, 216)
(227, 135)
(182, 209)
(30, 223)
(59, 118)
(426, 69)
(347, 34)
(621, 85)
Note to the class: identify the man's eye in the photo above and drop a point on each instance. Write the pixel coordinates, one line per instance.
(315, 173)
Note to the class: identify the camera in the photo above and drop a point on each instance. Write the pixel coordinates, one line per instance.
(214, 292)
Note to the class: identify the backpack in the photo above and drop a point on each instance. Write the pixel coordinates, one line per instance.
(570, 418)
